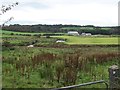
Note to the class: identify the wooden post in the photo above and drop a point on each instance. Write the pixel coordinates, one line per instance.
(114, 77)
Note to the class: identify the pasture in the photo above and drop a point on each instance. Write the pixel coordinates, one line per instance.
(97, 40)
(89, 40)
(41, 67)
(10, 33)
(50, 65)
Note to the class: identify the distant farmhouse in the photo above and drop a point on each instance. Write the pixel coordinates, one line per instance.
(74, 33)
(86, 34)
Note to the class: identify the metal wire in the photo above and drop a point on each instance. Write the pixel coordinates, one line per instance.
(84, 84)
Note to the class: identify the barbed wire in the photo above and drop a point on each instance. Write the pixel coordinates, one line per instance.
(4, 8)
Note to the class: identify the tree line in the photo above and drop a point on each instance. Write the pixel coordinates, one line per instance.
(59, 29)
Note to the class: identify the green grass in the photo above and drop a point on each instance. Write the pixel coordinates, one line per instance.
(12, 36)
(12, 32)
(71, 40)
(9, 32)
(41, 75)
(14, 79)
(89, 40)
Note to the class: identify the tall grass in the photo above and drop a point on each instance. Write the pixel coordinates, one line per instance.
(49, 69)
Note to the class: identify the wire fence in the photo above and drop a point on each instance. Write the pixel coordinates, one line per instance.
(84, 84)
(112, 83)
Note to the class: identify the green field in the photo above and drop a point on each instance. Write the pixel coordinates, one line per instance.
(9, 32)
(89, 40)
(53, 65)
(105, 39)
(27, 33)
(42, 67)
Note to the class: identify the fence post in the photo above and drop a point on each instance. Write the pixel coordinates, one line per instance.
(114, 77)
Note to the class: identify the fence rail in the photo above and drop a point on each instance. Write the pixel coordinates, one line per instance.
(84, 84)
(114, 80)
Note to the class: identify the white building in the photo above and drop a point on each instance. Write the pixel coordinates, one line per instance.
(86, 34)
(75, 33)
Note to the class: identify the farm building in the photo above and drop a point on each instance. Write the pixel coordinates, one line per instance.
(75, 33)
(86, 34)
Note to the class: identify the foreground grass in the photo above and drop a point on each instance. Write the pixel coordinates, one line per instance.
(44, 74)
(38, 67)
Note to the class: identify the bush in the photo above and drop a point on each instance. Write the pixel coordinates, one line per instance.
(6, 44)
(12, 34)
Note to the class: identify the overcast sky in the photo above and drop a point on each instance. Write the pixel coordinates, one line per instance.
(79, 12)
